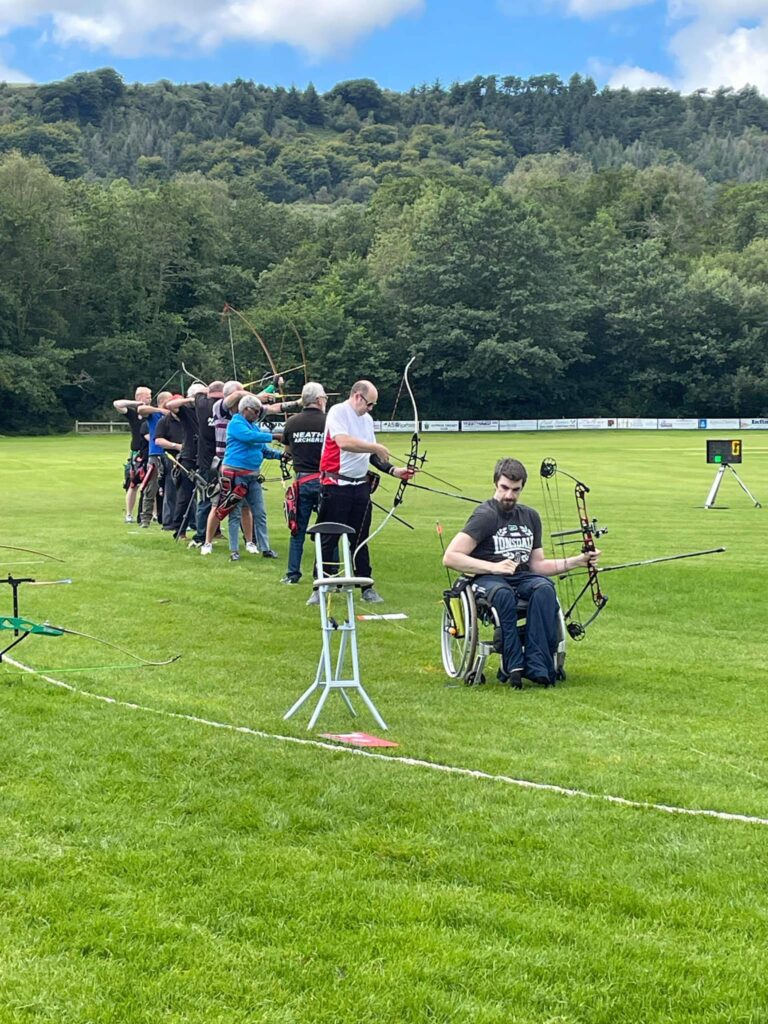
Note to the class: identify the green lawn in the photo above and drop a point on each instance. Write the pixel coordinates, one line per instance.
(158, 869)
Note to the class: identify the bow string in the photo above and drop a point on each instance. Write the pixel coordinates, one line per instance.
(587, 532)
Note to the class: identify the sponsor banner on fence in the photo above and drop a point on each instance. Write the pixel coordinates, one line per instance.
(754, 424)
(558, 424)
(705, 423)
(518, 424)
(684, 424)
(396, 426)
(467, 426)
(599, 423)
(638, 423)
(446, 426)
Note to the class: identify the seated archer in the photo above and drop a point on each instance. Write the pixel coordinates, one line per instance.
(500, 547)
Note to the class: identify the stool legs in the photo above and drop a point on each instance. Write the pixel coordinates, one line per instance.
(330, 671)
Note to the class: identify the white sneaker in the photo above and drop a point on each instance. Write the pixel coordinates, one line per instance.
(206, 549)
(251, 548)
(128, 518)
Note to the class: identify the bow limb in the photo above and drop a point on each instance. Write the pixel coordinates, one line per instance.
(414, 457)
(30, 551)
(194, 376)
(116, 647)
(231, 309)
(301, 349)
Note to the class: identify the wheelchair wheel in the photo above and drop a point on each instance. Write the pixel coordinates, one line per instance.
(458, 636)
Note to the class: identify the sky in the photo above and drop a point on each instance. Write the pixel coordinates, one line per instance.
(677, 44)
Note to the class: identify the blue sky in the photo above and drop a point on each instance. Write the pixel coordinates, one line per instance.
(682, 44)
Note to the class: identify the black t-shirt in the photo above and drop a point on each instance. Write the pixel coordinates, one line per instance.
(188, 418)
(206, 435)
(170, 429)
(499, 535)
(304, 434)
(138, 442)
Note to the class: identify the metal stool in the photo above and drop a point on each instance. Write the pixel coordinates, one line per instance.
(329, 676)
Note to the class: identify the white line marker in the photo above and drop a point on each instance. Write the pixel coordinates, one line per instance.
(413, 762)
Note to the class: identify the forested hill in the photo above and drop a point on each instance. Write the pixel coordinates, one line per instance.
(543, 249)
(294, 145)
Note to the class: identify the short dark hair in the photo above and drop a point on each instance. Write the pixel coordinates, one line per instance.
(512, 469)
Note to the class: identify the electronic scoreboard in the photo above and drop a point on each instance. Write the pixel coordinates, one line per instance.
(724, 453)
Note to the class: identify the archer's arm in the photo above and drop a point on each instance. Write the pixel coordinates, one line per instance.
(347, 443)
(458, 556)
(544, 566)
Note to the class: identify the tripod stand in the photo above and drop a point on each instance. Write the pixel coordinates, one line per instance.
(712, 496)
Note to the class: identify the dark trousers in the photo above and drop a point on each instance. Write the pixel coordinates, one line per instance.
(185, 488)
(203, 504)
(168, 485)
(307, 503)
(349, 504)
(537, 659)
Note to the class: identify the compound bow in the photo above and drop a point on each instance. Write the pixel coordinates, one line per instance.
(588, 531)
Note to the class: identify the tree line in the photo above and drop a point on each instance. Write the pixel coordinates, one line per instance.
(538, 284)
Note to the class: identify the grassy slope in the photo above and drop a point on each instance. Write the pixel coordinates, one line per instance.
(158, 870)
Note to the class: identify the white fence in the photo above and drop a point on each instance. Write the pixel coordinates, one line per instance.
(590, 423)
(109, 427)
(508, 426)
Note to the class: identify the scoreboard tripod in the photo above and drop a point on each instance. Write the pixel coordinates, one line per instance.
(724, 455)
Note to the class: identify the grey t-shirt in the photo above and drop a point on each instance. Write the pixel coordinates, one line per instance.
(501, 535)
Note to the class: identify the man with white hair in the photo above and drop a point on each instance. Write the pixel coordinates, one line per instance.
(303, 440)
(241, 479)
(221, 416)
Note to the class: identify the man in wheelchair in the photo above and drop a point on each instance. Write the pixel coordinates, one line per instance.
(500, 546)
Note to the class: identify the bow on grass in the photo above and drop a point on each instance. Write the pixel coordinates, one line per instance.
(30, 551)
(26, 628)
(586, 534)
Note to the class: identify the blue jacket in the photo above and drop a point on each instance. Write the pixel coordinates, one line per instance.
(153, 419)
(246, 444)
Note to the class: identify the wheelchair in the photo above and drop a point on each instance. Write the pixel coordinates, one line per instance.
(470, 633)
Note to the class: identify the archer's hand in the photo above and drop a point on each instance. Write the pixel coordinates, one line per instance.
(402, 473)
(506, 568)
(589, 558)
(381, 451)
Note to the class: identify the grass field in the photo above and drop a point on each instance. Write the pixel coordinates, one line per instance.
(155, 868)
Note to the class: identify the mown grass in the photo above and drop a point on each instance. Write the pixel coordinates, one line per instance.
(158, 869)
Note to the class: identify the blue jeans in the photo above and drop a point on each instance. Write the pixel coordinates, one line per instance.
(503, 593)
(308, 502)
(255, 498)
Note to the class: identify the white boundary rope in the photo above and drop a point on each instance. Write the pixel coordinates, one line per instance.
(412, 762)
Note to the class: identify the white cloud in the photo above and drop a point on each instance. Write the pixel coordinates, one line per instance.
(136, 27)
(709, 57)
(592, 8)
(11, 75)
(714, 43)
(638, 78)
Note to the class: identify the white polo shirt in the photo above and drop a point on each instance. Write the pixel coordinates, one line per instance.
(342, 419)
